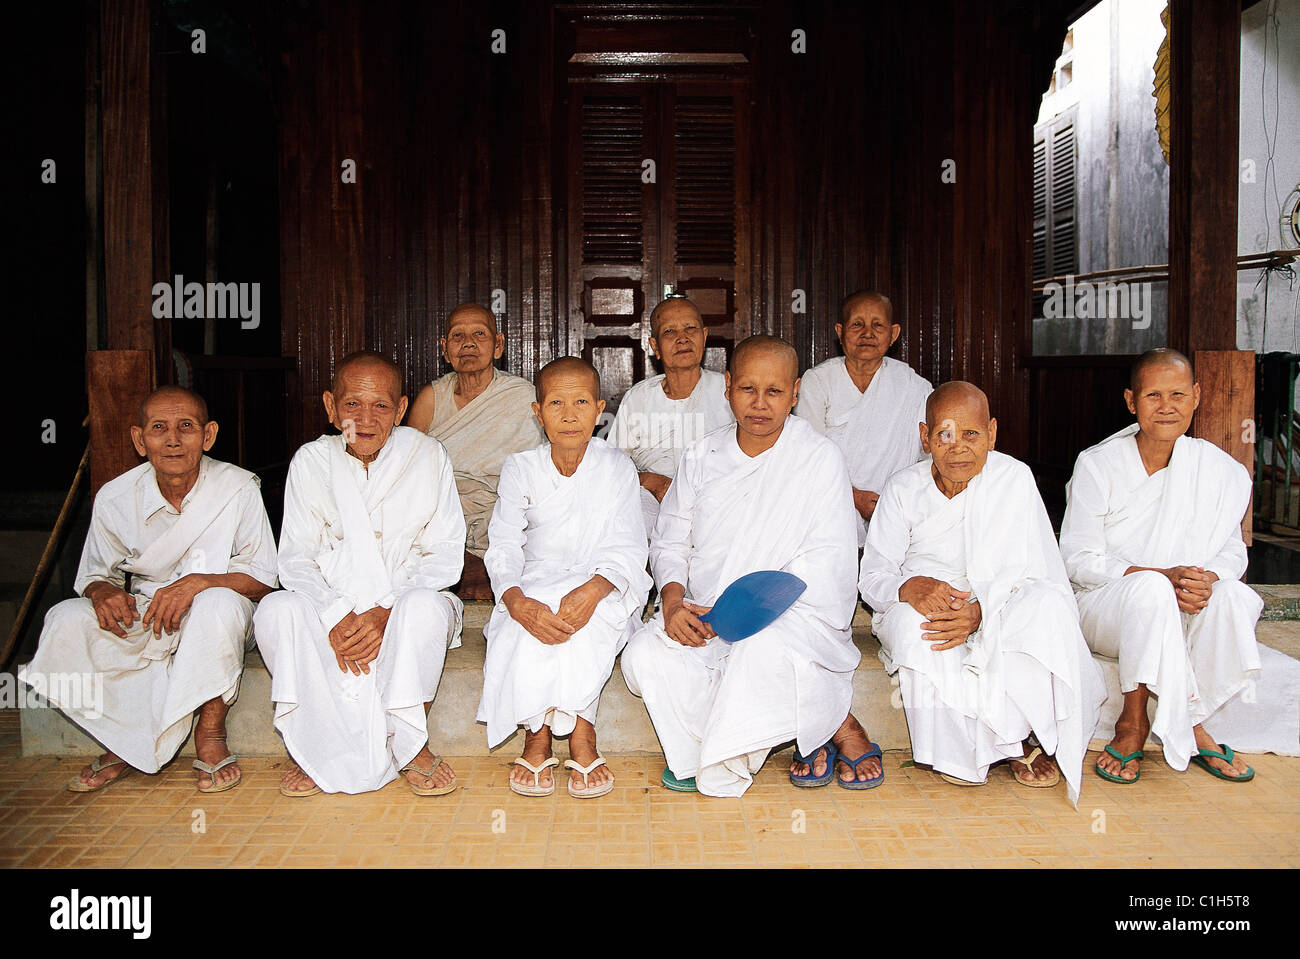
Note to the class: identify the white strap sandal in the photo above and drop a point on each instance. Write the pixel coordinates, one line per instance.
(1028, 763)
(523, 789)
(588, 792)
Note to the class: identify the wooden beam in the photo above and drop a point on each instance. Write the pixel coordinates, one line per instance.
(116, 382)
(1226, 416)
(1205, 63)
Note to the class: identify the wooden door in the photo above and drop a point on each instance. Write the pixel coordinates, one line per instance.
(654, 187)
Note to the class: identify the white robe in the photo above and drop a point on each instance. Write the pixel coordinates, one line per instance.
(656, 430)
(1186, 514)
(353, 539)
(1026, 668)
(875, 429)
(718, 709)
(479, 437)
(551, 534)
(137, 695)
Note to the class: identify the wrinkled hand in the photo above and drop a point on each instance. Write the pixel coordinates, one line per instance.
(682, 620)
(656, 483)
(952, 627)
(537, 618)
(172, 602)
(114, 607)
(1192, 587)
(357, 638)
(930, 597)
(580, 604)
(864, 501)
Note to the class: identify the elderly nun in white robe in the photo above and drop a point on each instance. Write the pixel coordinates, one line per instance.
(1188, 513)
(355, 536)
(1026, 668)
(149, 686)
(718, 709)
(549, 535)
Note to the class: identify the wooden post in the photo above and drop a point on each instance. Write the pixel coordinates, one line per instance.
(134, 234)
(1226, 416)
(1205, 64)
(118, 381)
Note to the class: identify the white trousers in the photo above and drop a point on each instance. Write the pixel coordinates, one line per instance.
(1194, 664)
(137, 707)
(354, 733)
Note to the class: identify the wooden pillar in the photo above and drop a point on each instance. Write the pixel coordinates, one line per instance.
(1204, 123)
(134, 234)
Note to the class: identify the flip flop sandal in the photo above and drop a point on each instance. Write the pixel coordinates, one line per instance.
(428, 774)
(669, 781)
(585, 771)
(959, 782)
(1028, 763)
(212, 771)
(809, 780)
(75, 785)
(523, 789)
(299, 793)
(855, 783)
(1226, 754)
(1123, 761)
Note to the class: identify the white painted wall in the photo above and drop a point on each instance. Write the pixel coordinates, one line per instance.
(1270, 112)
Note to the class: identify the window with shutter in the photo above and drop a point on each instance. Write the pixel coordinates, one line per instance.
(1055, 161)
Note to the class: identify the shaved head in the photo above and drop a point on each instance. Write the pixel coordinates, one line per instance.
(846, 306)
(762, 345)
(1161, 356)
(567, 365)
(672, 303)
(472, 311)
(171, 393)
(953, 395)
(367, 360)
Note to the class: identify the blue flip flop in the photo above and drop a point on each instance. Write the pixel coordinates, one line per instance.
(872, 753)
(1226, 754)
(809, 780)
(669, 781)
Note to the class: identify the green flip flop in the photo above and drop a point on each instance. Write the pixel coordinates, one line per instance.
(1226, 754)
(669, 781)
(1123, 761)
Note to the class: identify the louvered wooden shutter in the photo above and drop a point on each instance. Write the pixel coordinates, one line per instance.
(612, 149)
(704, 132)
(1040, 209)
(1055, 247)
(1064, 253)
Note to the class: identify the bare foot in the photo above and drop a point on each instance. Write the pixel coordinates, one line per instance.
(1205, 741)
(582, 750)
(210, 747)
(296, 781)
(1128, 739)
(537, 749)
(1042, 769)
(97, 780)
(852, 741)
(444, 775)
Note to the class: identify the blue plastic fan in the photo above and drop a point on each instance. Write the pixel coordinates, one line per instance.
(752, 602)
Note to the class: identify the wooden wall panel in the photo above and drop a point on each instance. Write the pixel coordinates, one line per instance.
(460, 157)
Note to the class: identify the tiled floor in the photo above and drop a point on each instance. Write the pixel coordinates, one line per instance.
(914, 819)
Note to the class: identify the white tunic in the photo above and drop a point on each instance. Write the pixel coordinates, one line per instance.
(1187, 514)
(719, 708)
(876, 429)
(354, 538)
(551, 534)
(1026, 668)
(148, 687)
(656, 430)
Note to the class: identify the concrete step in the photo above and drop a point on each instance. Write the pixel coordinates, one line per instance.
(1280, 602)
(624, 725)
